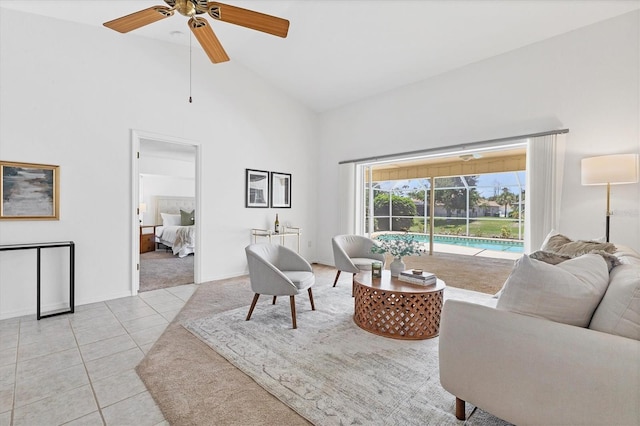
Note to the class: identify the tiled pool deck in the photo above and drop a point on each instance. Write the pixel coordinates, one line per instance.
(470, 251)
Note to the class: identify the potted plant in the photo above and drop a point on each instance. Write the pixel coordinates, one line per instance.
(397, 246)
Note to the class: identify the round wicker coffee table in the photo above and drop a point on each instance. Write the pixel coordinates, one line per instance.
(392, 308)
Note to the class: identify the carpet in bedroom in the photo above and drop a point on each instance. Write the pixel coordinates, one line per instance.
(161, 269)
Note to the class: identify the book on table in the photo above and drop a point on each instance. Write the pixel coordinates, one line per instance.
(423, 278)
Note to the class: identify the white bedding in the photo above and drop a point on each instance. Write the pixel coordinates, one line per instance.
(181, 239)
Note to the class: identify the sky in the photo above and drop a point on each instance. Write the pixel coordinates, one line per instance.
(486, 183)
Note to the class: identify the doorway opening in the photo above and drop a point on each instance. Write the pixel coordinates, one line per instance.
(166, 204)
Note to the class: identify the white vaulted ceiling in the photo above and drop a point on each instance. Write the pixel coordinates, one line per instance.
(338, 52)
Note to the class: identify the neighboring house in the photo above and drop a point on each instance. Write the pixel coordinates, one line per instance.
(484, 208)
(440, 210)
(490, 208)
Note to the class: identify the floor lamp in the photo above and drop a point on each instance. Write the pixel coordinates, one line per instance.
(610, 170)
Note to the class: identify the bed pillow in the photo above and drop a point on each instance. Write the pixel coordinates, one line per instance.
(169, 219)
(568, 292)
(187, 218)
(619, 311)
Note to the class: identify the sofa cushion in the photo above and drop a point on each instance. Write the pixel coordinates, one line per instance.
(619, 310)
(568, 292)
(363, 263)
(627, 255)
(301, 279)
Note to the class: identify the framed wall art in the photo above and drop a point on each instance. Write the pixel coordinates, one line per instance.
(257, 188)
(29, 191)
(280, 190)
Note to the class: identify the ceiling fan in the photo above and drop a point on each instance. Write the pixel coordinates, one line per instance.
(200, 26)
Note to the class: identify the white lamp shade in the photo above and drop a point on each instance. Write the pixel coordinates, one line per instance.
(142, 207)
(613, 169)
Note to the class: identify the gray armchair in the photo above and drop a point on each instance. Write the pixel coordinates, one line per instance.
(352, 253)
(276, 270)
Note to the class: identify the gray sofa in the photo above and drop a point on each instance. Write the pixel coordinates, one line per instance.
(526, 368)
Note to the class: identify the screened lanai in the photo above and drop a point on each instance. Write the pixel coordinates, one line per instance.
(481, 202)
(459, 201)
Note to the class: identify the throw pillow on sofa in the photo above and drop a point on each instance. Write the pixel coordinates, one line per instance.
(568, 292)
(619, 311)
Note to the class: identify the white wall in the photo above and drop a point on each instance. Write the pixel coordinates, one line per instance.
(166, 186)
(164, 177)
(72, 93)
(586, 81)
(159, 166)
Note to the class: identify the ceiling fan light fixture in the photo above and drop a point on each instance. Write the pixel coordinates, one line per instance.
(198, 6)
(185, 8)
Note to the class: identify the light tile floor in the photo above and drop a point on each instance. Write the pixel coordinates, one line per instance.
(78, 369)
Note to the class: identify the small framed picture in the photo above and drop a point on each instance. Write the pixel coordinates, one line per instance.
(280, 190)
(29, 191)
(257, 188)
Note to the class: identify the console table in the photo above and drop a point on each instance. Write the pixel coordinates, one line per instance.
(38, 247)
(286, 232)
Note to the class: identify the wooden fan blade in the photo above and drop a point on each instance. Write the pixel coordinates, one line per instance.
(208, 40)
(139, 19)
(248, 18)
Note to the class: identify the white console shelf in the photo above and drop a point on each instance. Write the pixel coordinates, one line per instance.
(271, 235)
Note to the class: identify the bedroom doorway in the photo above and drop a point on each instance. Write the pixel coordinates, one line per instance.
(165, 205)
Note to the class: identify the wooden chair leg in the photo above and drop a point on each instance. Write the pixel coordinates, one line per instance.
(336, 280)
(460, 415)
(274, 300)
(313, 307)
(292, 299)
(353, 285)
(253, 305)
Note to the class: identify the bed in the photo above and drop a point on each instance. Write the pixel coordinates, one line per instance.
(175, 217)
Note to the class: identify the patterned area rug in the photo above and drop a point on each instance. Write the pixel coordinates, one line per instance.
(329, 370)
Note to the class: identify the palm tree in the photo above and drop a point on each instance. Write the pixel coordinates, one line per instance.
(505, 199)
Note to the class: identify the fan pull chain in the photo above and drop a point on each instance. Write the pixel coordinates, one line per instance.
(190, 65)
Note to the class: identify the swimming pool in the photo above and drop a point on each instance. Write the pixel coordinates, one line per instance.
(495, 244)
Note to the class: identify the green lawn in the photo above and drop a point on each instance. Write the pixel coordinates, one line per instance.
(489, 227)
